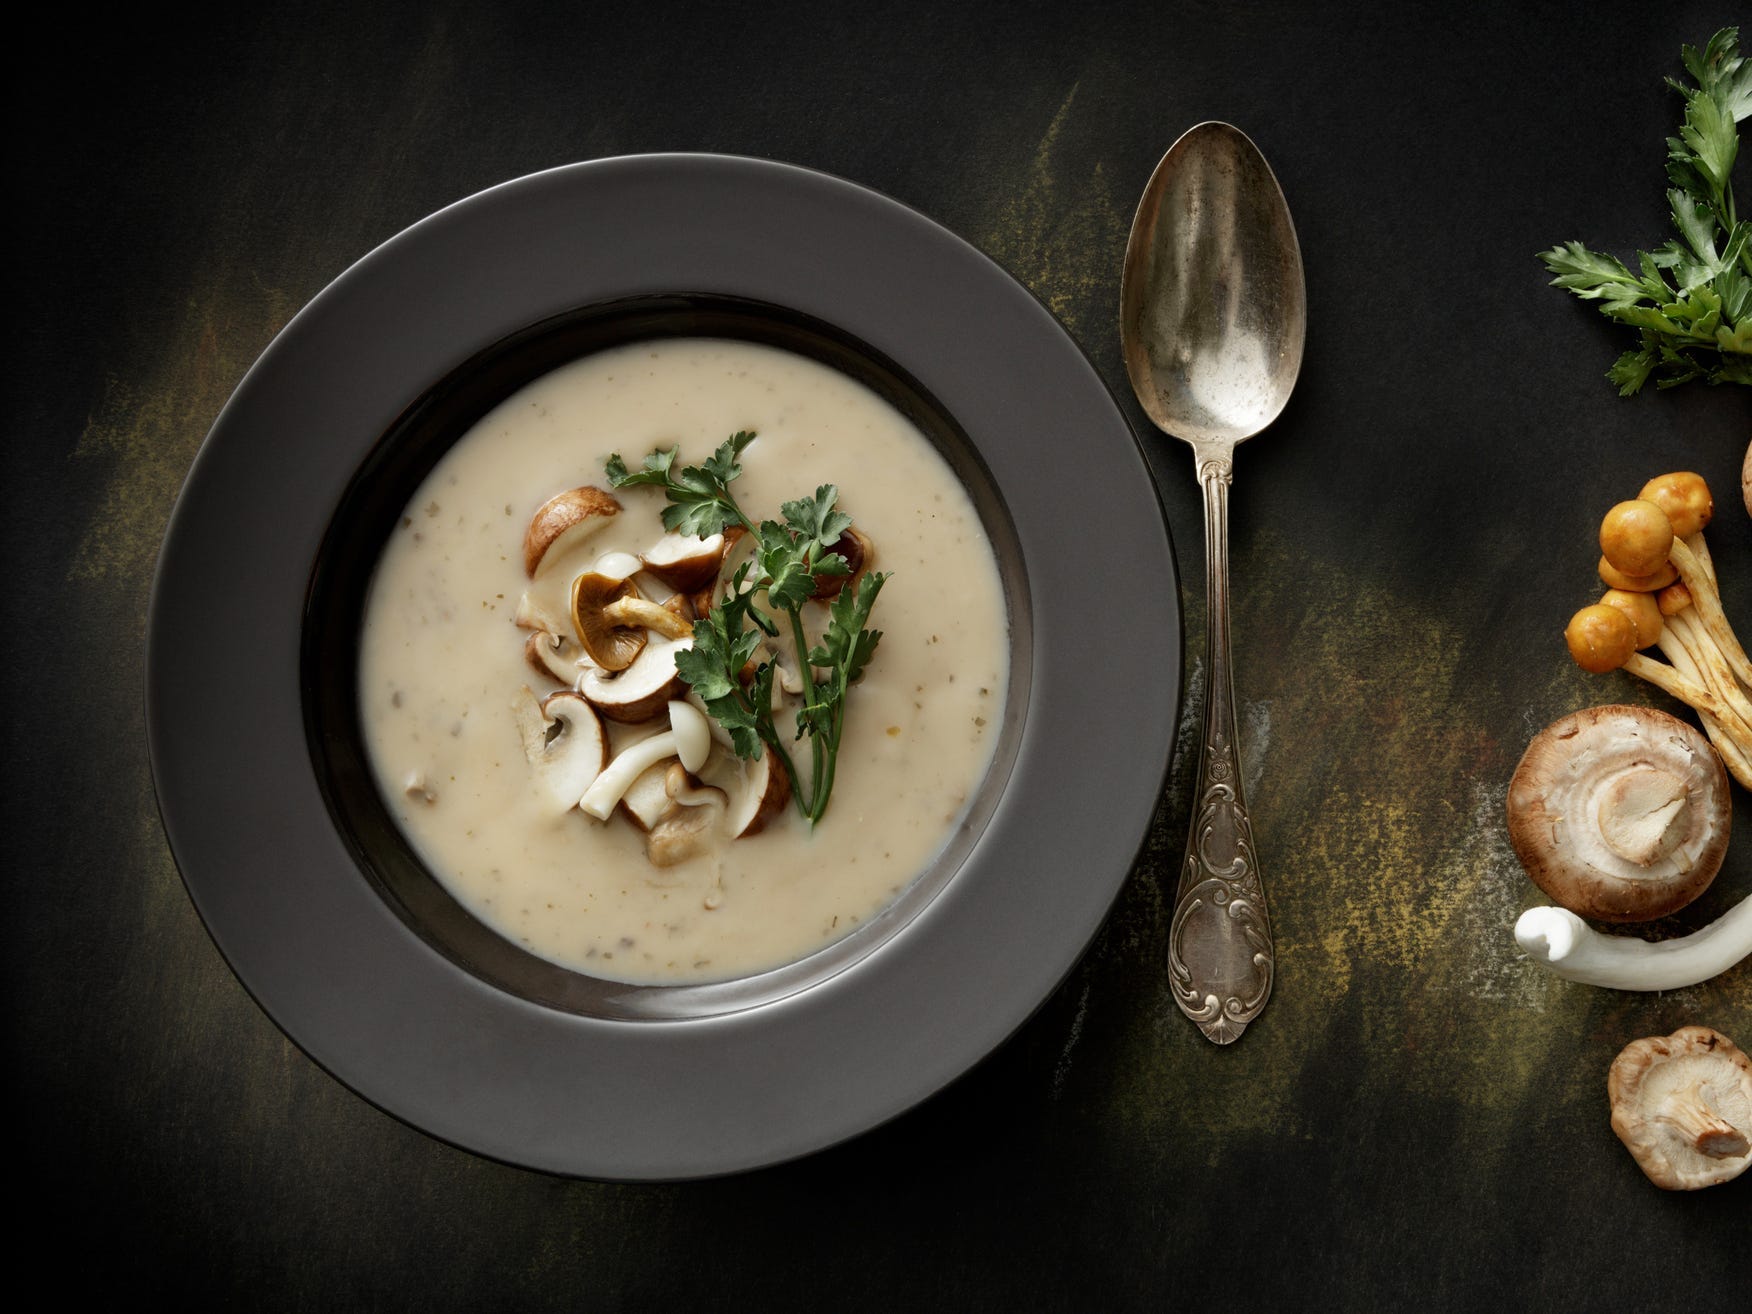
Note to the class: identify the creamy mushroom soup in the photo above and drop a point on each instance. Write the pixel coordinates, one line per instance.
(442, 665)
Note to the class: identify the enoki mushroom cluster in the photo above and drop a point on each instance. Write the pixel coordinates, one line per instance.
(1662, 594)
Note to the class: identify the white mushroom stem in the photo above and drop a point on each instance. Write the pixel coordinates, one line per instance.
(688, 738)
(606, 790)
(1564, 944)
(1708, 603)
(1733, 738)
(1667, 679)
(1688, 1112)
(1710, 669)
(1700, 550)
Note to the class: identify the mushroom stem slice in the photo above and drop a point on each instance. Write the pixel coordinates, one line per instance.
(617, 777)
(681, 741)
(1688, 1112)
(634, 610)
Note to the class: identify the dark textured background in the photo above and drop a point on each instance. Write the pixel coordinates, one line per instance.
(1418, 1117)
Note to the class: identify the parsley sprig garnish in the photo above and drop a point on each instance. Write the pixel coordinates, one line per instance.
(1691, 299)
(789, 558)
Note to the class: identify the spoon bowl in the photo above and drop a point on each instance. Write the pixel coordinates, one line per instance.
(1213, 307)
(1213, 314)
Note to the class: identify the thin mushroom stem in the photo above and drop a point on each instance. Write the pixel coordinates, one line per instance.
(1712, 669)
(1700, 550)
(1668, 680)
(1709, 609)
(1727, 741)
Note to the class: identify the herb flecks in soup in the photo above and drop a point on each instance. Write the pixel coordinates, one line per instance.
(588, 811)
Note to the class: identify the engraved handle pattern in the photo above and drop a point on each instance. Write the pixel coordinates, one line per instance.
(1220, 957)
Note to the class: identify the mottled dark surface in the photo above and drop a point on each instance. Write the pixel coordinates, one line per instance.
(1419, 1116)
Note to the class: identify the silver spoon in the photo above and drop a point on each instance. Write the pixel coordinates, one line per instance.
(1213, 311)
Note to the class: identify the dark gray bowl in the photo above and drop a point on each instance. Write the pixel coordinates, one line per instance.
(313, 896)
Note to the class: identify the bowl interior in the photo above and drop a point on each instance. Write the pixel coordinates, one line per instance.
(368, 512)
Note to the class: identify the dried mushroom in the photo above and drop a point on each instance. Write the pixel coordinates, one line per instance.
(1682, 1105)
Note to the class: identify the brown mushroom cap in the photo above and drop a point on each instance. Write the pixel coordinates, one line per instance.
(1600, 638)
(1684, 496)
(1643, 611)
(758, 790)
(1673, 599)
(1636, 537)
(858, 552)
(1614, 578)
(611, 646)
(1682, 1105)
(1620, 813)
(685, 562)
(564, 519)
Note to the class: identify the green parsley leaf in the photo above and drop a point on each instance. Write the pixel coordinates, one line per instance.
(788, 559)
(1701, 327)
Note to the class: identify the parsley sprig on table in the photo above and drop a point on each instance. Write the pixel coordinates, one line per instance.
(790, 557)
(1691, 299)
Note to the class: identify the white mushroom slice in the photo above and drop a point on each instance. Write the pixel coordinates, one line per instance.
(758, 790)
(534, 614)
(686, 562)
(691, 823)
(608, 788)
(616, 565)
(563, 521)
(683, 833)
(554, 656)
(693, 734)
(617, 777)
(787, 677)
(647, 798)
(564, 742)
(639, 692)
(416, 787)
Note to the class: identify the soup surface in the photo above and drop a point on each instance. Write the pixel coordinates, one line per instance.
(442, 665)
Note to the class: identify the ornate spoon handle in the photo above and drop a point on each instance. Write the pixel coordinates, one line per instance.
(1219, 944)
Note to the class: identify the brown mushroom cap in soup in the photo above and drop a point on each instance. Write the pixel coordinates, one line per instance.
(1620, 813)
(564, 520)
